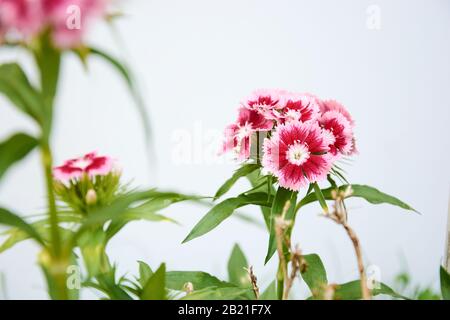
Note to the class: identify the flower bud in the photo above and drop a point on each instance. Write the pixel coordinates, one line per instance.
(91, 197)
(188, 287)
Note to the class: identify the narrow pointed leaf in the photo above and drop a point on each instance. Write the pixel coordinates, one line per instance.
(352, 291)
(214, 293)
(281, 198)
(176, 280)
(145, 272)
(241, 172)
(222, 211)
(236, 268)
(368, 193)
(155, 288)
(8, 218)
(255, 179)
(15, 86)
(320, 197)
(315, 275)
(270, 293)
(14, 149)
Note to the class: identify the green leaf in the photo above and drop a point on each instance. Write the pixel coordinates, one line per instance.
(370, 194)
(126, 75)
(10, 219)
(145, 272)
(120, 206)
(256, 179)
(107, 284)
(16, 235)
(315, 275)
(148, 210)
(48, 60)
(320, 197)
(155, 288)
(176, 280)
(352, 291)
(270, 293)
(214, 293)
(14, 149)
(15, 86)
(222, 211)
(239, 173)
(281, 198)
(236, 268)
(445, 283)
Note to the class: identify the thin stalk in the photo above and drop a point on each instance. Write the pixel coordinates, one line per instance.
(282, 274)
(363, 280)
(54, 226)
(280, 281)
(339, 215)
(58, 264)
(257, 148)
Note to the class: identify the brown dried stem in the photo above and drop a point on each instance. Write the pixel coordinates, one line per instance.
(339, 215)
(298, 264)
(254, 282)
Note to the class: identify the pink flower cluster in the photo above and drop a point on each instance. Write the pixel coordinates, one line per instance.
(89, 164)
(66, 19)
(307, 135)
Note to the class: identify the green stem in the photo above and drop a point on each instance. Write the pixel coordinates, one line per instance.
(53, 215)
(257, 148)
(58, 262)
(280, 281)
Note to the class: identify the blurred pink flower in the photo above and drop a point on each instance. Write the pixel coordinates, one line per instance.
(337, 125)
(25, 17)
(297, 154)
(89, 164)
(70, 18)
(67, 20)
(238, 135)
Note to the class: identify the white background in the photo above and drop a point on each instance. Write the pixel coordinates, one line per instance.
(195, 60)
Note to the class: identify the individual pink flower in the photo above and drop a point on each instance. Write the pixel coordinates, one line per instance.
(297, 154)
(299, 107)
(238, 135)
(337, 125)
(333, 105)
(90, 164)
(64, 15)
(265, 102)
(25, 17)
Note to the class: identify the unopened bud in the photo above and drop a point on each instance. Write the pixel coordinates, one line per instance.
(188, 287)
(91, 197)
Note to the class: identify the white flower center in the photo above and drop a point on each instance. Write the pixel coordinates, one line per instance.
(292, 115)
(82, 163)
(245, 131)
(298, 154)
